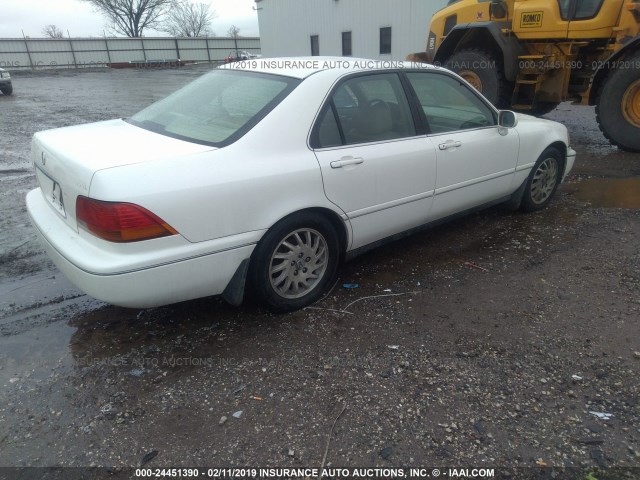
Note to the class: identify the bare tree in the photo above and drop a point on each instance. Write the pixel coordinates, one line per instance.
(233, 32)
(188, 19)
(52, 31)
(131, 17)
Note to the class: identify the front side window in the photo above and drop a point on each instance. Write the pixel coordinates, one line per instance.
(448, 104)
(216, 109)
(364, 109)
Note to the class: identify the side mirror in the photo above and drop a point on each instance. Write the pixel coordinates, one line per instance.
(507, 119)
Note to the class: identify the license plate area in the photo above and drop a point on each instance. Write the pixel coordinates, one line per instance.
(51, 190)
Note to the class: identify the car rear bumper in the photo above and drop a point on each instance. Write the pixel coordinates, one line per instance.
(164, 283)
(5, 82)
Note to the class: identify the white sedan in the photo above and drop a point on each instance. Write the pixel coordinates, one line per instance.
(270, 172)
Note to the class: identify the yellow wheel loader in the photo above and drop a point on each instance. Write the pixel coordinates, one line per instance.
(530, 55)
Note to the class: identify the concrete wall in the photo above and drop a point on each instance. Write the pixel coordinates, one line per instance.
(287, 25)
(16, 54)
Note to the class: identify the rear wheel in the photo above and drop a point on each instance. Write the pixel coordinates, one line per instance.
(543, 181)
(618, 107)
(295, 261)
(484, 72)
(8, 90)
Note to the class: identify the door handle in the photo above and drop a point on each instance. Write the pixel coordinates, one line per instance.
(347, 161)
(449, 144)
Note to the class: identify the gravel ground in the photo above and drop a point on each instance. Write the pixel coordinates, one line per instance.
(497, 341)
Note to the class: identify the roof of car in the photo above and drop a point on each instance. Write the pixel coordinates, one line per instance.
(302, 67)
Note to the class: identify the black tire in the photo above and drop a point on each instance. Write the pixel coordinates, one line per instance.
(618, 127)
(543, 180)
(8, 90)
(297, 265)
(488, 70)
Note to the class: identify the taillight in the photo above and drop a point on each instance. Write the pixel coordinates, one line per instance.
(120, 222)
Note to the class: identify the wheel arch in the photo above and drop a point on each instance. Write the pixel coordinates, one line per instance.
(333, 217)
(484, 35)
(234, 292)
(526, 201)
(338, 224)
(257, 276)
(602, 73)
(562, 148)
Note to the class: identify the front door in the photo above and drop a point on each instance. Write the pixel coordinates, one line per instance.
(476, 159)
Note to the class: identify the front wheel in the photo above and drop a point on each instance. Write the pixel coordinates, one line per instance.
(8, 90)
(295, 261)
(618, 108)
(543, 181)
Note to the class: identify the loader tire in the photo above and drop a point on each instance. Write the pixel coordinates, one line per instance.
(484, 72)
(618, 106)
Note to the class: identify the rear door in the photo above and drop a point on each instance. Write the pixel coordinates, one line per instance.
(376, 165)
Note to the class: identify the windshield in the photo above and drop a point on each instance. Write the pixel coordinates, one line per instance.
(216, 109)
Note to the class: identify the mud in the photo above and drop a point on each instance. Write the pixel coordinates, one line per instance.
(610, 192)
(486, 342)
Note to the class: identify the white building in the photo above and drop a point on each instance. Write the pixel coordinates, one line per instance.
(378, 29)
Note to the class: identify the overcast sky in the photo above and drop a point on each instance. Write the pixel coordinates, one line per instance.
(81, 20)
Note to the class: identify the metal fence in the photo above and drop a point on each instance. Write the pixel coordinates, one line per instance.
(37, 53)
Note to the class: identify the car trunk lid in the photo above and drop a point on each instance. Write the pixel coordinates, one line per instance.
(66, 159)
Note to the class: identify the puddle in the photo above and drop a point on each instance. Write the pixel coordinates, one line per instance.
(36, 354)
(610, 192)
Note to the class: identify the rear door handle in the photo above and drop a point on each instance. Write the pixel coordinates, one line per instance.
(449, 144)
(344, 161)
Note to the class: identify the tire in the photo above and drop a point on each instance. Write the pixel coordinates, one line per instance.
(618, 106)
(8, 90)
(294, 262)
(483, 70)
(543, 181)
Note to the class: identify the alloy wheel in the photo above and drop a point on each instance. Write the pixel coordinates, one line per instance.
(298, 263)
(544, 180)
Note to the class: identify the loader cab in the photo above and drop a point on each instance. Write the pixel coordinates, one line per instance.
(575, 10)
(566, 19)
(593, 18)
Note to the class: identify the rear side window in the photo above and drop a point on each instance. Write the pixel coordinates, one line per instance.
(216, 109)
(364, 109)
(328, 131)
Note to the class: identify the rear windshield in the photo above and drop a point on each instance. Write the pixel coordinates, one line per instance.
(216, 109)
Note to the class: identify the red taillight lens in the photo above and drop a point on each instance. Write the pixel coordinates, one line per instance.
(120, 222)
